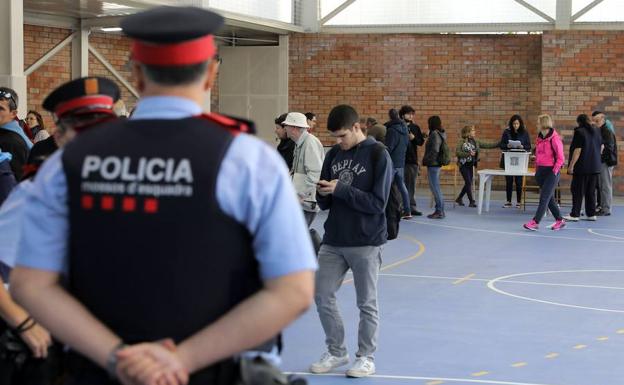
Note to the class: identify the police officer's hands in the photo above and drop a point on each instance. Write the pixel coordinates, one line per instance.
(38, 340)
(151, 364)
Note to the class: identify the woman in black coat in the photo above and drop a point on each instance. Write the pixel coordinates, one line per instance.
(514, 131)
(584, 165)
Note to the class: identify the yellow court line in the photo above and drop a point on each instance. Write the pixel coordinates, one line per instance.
(621, 331)
(434, 383)
(579, 347)
(464, 279)
(479, 374)
(602, 338)
(519, 364)
(421, 250)
(551, 355)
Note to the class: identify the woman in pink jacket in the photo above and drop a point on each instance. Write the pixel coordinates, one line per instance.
(548, 161)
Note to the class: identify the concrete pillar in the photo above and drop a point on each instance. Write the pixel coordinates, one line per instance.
(564, 14)
(80, 54)
(310, 17)
(12, 50)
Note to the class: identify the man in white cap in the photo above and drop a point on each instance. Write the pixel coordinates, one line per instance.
(307, 162)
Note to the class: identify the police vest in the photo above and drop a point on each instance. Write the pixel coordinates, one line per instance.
(151, 254)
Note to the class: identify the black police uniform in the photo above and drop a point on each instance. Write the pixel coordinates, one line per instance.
(151, 254)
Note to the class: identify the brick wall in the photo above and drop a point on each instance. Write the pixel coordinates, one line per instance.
(582, 72)
(466, 79)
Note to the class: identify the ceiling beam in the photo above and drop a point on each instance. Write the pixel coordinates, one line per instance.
(45, 20)
(599, 26)
(588, 8)
(336, 11)
(535, 10)
(231, 19)
(441, 28)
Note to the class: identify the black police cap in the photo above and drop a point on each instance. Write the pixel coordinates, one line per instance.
(82, 93)
(166, 25)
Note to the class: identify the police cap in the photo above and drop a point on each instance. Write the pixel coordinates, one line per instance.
(83, 95)
(172, 36)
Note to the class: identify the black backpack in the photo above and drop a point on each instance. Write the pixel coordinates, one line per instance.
(394, 207)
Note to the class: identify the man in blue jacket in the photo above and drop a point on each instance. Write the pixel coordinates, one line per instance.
(354, 187)
(397, 141)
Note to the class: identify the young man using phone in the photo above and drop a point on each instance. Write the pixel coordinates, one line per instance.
(354, 187)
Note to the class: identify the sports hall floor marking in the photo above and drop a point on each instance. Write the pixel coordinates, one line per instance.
(505, 281)
(550, 356)
(492, 286)
(390, 377)
(480, 374)
(464, 279)
(434, 383)
(602, 339)
(593, 231)
(421, 250)
(579, 347)
(519, 233)
(519, 365)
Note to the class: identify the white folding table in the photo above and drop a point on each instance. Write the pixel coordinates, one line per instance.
(485, 184)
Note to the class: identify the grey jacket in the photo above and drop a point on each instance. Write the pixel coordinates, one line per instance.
(306, 170)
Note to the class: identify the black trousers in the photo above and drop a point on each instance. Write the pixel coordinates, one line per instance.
(411, 173)
(509, 180)
(584, 186)
(467, 172)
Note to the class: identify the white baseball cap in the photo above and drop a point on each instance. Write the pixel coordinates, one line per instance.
(296, 119)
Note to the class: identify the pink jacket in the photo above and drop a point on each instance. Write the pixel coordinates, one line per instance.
(544, 155)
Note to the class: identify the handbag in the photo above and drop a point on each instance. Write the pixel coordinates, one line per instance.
(12, 348)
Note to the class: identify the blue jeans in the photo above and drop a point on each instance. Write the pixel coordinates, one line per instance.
(433, 174)
(399, 175)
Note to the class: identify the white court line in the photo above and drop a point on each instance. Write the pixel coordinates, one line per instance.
(493, 282)
(592, 231)
(508, 281)
(521, 234)
(421, 378)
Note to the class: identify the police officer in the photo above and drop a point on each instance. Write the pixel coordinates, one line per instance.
(34, 363)
(170, 225)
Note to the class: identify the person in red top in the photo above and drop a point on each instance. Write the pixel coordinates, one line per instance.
(548, 161)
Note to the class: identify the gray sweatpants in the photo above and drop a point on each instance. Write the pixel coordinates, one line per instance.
(334, 262)
(606, 187)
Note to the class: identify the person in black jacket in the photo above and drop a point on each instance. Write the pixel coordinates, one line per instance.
(396, 142)
(286, 146)
(514, 131)
(609, 160)
(437, 136)
(12, 138)
(584, 166)
(416, 138)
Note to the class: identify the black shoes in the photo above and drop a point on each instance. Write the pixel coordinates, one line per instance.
(416, 213)
(436, 215)
(472, 204)
(601, 213)
(459, 202)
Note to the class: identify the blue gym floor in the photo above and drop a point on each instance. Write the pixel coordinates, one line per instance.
(479, 300)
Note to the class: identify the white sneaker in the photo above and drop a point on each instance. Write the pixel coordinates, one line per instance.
(592, 218)
(328, 362)
(362, 367)
(570, 218)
